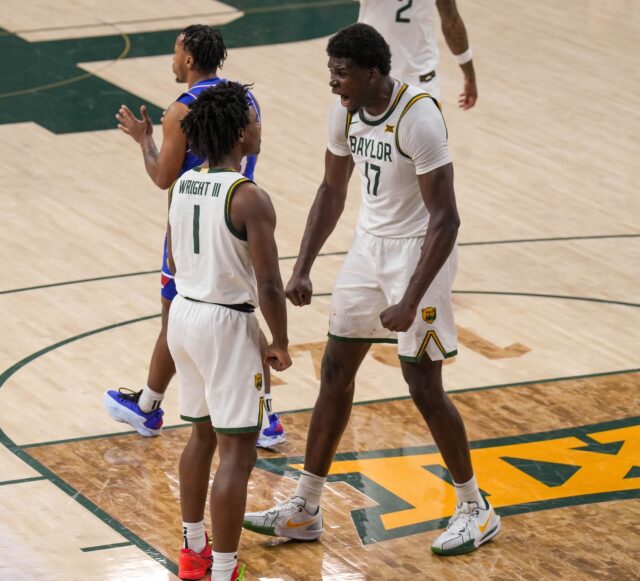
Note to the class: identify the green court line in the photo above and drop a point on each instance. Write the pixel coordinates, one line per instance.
(368, 521)
(105, 547)
(547, 296)
(367, 402)
(122, 55)
(551, 239)
(483, 388)
(281, 465)
(22, 480)
(98, 436)
(53, 284)
(59, 482)
(105, 517)
(322, 254)
(364, 402)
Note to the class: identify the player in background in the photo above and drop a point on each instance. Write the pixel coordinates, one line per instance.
(199, 52)
(409, 29)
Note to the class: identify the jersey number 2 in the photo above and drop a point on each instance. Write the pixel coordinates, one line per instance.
(399, 17)
(372, 171)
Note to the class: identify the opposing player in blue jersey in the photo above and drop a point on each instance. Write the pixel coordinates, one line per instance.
(198, 54)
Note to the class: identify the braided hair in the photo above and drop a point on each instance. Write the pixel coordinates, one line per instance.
(206, 46)
(216, 120)
(364, 45)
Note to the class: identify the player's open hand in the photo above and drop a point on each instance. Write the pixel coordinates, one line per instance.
(128, 123)
(398, 317)
(469, 95)
(299, 289)
(279, 359)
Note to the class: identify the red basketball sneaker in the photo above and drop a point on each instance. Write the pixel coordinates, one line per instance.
(193, 565)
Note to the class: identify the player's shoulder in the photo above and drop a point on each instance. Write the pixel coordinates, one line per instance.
(244, 187)
(416, 101)
(249, 199)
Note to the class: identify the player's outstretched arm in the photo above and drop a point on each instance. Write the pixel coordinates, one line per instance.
(323, 217)
(439, 198)
(252, 212)
(455, 34)
(162, 166)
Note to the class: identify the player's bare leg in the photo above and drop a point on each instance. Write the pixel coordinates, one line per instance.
(229, 499)
(474, 521)
(332, 410)
(141, 409)
(445, 422)
(161, 368)
(194, 470)
(300, 517)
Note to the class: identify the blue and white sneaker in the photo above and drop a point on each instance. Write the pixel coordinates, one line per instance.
(122, 406)
(273, 434)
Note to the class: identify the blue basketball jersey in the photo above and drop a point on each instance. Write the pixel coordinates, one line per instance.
(190, 159)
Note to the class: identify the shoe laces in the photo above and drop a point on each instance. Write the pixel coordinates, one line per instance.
(463, 515)
(295, 504)
(129, 394)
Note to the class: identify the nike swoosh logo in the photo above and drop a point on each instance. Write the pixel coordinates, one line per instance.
(485, 525)
(294, 525)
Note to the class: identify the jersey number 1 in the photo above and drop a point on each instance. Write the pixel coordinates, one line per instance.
(196, 229)
(372, 171)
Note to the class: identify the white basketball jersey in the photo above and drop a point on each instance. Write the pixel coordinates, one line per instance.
(390, 151)
(408, 28)
(211, 257)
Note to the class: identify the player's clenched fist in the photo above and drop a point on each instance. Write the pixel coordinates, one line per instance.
(278, 359)
(299, 289)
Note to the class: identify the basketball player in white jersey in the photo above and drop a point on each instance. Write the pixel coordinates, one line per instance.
(409, 28)
(395, 284)
(221, 243)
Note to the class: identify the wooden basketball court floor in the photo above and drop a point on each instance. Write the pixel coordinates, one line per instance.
(547, 300)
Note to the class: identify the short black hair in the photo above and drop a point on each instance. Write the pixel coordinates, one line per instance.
(363, 45)
(206, 45)
(215, 121)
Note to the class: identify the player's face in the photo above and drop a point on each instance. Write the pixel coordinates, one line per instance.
(252, 135)
(352, 83)
(180, 60)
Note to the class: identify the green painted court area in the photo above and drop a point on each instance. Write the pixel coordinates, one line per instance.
(53, 91)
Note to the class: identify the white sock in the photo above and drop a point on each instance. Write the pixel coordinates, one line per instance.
(310, 488)
(267, 403)
(194, 536)
(150, 400)
(223, 566)
(469, 492)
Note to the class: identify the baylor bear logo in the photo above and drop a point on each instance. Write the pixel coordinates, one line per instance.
(258, 381)
(429, 314)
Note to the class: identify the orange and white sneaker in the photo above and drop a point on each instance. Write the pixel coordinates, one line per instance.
(289, 519)
(470, 526)
(192, 565)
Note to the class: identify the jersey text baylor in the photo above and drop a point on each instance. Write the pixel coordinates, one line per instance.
(408, 139)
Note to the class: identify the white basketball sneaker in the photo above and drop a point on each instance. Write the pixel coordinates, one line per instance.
(469, 527)
(288, 519)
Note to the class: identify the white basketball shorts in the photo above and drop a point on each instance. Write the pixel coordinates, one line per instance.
(217, 355)
(374, 276)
